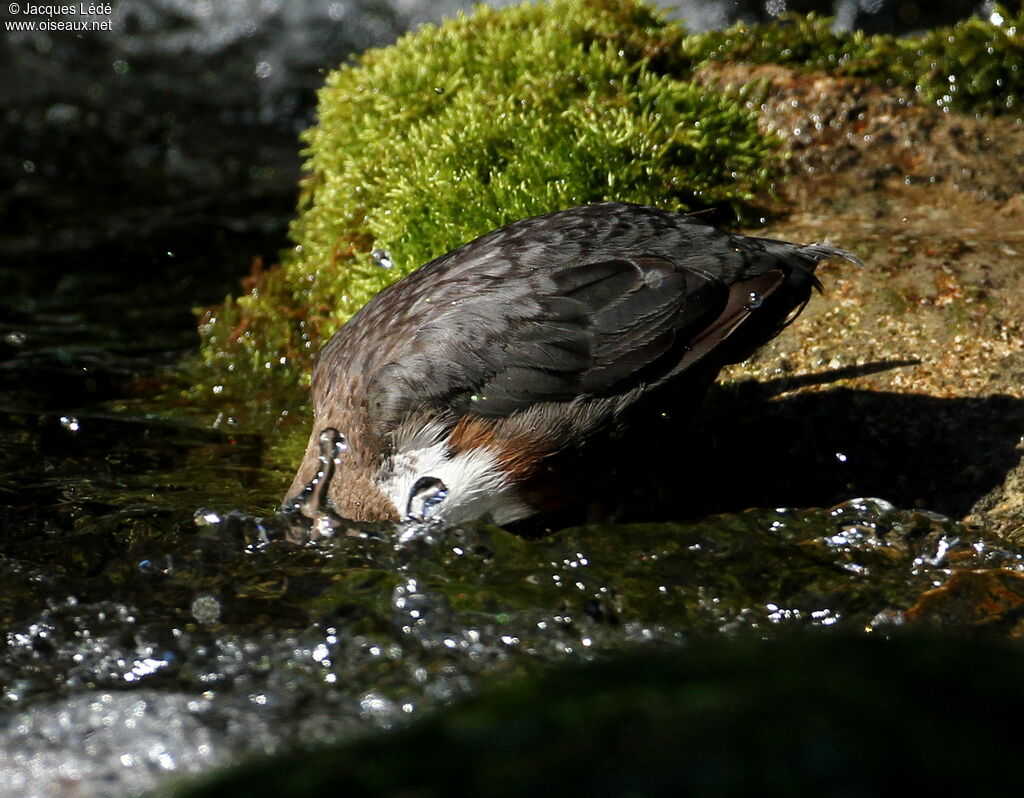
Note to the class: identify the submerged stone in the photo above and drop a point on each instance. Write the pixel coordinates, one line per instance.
(807, 715)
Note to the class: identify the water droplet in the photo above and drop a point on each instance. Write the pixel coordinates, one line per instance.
(206, 609)
(426, 494)
(332, 445)
(70, 423)
(381, 258)
(206, 517)
(15, 338)
(754, 300)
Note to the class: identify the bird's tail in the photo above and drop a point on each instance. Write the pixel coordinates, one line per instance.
(820, 252)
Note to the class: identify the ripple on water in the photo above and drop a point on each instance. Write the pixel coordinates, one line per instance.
(225, 627)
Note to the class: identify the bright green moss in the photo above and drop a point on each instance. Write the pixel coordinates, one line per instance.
(976, 66)
(460, 128)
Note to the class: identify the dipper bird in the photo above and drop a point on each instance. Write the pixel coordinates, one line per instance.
(507, 378)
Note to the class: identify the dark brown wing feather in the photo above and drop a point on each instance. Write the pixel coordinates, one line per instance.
(598, 329)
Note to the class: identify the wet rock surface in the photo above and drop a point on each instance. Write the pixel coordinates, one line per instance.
(800, 715)
(920, 355)
(880, 137)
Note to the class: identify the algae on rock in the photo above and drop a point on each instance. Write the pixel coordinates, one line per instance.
(975, 66)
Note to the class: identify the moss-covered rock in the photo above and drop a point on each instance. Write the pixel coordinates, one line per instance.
(460, 128)
(976, 66)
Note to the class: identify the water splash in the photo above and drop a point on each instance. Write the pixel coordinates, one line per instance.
(426, 494)
(381, 258)
(308, 514)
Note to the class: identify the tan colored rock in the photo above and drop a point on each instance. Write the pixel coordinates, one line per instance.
(932, 202)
